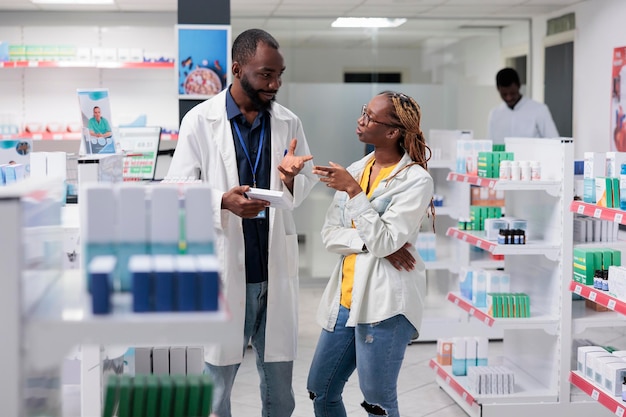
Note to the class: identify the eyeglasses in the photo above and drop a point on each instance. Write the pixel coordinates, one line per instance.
(368, 119)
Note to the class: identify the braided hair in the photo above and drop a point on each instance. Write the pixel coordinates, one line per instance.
(407, 115)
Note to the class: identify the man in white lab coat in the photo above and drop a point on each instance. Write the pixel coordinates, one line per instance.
(518, 116)
(238, 139)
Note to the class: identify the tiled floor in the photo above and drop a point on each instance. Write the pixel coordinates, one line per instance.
(419, 395)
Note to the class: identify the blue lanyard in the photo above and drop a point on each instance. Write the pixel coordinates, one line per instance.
(245, 149)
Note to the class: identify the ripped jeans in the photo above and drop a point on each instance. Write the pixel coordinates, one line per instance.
(375, 350)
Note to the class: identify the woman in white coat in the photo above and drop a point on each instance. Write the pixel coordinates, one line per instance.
(372, 306)
(231, 141)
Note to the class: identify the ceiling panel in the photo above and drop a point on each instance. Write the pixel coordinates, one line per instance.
(307, 22)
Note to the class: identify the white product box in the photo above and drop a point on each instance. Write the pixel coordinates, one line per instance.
(598, 364)
(617, 282)
(614, 161)
(178, 360)
(195, 360)
(459, 356)
(594, 164)
(470, 352)
(482, 351)
(493, 281)
(479, 289)
(493, 226)
(161, 360)
(582, 353)
(590, 362)
(614, 373)
(143, 360)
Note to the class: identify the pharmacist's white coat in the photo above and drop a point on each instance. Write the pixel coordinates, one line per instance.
(206, 150)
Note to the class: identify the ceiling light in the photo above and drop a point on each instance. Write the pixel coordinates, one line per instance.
(367, 22)
(74, 2)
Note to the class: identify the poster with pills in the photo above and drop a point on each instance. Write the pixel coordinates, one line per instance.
(203, 60)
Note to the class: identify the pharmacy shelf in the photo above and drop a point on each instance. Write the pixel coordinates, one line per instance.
(604, 213)
(477, 238)
(547, 323)
(551, 187)
(87, 64)
(584, 318)
(598, 297)
(449, 383)
(446, 211)
(67, 136)
(441, 163)
(62, 319)
(610, 402)
(528, 389)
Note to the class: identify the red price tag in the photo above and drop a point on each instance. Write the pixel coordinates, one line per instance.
(618, 218)
(472, 310)
(611, 305)
(619, 411)
(595, 395)
(581, 209)
(578, 289)
(593, 295)
(597, 212)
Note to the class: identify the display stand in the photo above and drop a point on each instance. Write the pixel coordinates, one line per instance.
(46, 311)
(441, 320)
(538, 349)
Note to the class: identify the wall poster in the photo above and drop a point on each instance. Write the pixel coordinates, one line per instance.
(204, 60)
(618, 100)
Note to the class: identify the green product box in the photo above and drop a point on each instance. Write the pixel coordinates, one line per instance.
(518, 305)
(152, 395)
(526, 305)
(617, 257)
(111, 396)
(166, 396)
(206, 404)
(17, 53)
(615, 188)
(34, 53)
(497, 147)
(194, 392)
(607, 258)
(504, 299)
(585, 263)
(126, 396)
(180, 395)
(139, 396)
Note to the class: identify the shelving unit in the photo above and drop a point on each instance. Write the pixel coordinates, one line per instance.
(442, 320)
(541, 344)
(87, 64)
(46, 311)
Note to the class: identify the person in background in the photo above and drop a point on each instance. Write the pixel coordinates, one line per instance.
(518, 116)
(238, 139)
(99, 126)
(372, 307)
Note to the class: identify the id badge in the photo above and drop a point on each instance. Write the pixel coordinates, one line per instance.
(261, 214)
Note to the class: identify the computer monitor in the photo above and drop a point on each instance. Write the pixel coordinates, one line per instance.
(141, 148)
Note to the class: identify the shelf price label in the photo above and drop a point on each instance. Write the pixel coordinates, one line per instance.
(581, 209)
(479, 244)
(597, 213)
(578, 289)
(618, 217)
(448, 379)
(464, 395)
(487, 320)
(472, 310)
(619, 411)
(456, 301)
(595, 394)
(464, 237)
(593, 295)
(611, 305)
(479, 182)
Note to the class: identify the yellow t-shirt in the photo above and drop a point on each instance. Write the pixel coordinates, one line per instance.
(347, 279)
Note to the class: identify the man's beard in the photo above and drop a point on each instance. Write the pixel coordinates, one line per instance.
(253, 95)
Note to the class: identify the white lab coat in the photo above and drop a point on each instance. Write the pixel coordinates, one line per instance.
(528, 119)
(206, 150)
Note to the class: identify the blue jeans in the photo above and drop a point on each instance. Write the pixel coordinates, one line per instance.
(276, 391)
(375, 350)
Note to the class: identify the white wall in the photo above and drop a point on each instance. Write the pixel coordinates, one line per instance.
(600, 28)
